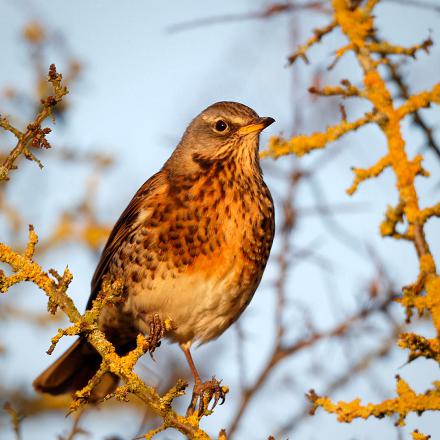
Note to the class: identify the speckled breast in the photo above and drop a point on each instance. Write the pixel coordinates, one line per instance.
(200, 253)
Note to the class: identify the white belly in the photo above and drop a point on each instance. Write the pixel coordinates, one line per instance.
(201, 307)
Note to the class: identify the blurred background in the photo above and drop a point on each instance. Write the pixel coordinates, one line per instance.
(138, 72)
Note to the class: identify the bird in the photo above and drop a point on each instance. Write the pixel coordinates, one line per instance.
(191, 247)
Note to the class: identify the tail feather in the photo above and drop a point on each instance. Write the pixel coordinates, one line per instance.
(73, 370)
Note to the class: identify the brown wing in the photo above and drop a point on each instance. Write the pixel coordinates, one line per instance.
(125, 225)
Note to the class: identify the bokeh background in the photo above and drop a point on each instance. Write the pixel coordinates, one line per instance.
(138, 72)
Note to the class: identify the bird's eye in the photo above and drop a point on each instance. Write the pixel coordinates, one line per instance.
(221, 125)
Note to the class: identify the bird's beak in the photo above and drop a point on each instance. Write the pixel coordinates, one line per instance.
(258, 125)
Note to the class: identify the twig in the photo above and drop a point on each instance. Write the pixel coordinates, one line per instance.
(34, 136)
(356, 22)
(15, 419)
(349, 375)
(270, 11)
(25, 269)
(282, 351)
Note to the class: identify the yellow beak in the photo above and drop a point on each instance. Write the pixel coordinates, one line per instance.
(258, 125)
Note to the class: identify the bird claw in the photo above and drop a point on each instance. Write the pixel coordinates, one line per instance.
(157, 331)
(204, 393)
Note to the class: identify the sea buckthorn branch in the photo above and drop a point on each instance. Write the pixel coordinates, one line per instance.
(369, 5)
(427, 213)
(356, 22)
(35, 135)
(55, 286)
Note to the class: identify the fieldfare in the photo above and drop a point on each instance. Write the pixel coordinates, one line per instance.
(191, 247)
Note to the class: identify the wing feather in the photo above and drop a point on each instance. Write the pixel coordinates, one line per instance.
(126, 224)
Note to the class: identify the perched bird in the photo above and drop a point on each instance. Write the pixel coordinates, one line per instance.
(191, 246)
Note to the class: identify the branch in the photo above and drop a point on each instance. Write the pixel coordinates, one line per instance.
(34, 136)
(385, 48)
(346, 90)
(283, 350)
(418, 119)
(318, 34)
(362, 174)
(407, 401)
(272, 10)
(356, 22)
(55, 287)
(303, 144)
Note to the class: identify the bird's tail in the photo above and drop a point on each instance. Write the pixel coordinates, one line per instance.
(72, 371)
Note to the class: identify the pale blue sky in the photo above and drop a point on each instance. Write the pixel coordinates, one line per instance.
(140, 87)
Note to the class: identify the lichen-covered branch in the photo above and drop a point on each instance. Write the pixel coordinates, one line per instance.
(35, 135)
(362, 174)
(356, 22)
(55, 287)
(318, 33)
(303, 144)
(420, 346)
(416, 435)
(407, 401)
(345, 90)
(385, 48)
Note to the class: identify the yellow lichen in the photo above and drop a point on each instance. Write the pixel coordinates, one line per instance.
(420, 346)
(35, 135)
(419, 101)
(407, 401)
(362, 174)
(55, 287)
(317, 36)
(356, 21)
(416, 435)
(303, 144)
(353, 22)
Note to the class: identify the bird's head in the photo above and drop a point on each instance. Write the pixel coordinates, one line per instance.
(221, 130)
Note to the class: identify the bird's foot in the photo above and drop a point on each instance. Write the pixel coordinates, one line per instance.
(157, 331)
(204, 393)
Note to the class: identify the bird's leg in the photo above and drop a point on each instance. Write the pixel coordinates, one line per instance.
(197, 381)
(202, 391)
(186, 350)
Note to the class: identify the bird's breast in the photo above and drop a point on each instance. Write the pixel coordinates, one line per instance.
(200, 254)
